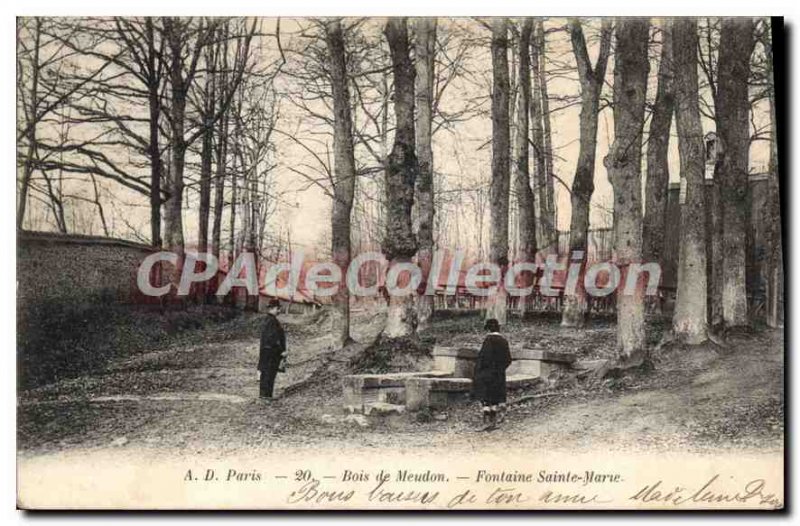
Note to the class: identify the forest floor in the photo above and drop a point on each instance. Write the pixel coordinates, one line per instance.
(199, 394)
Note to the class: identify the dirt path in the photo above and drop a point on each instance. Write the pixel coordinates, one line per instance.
(203, 398)
(705, 398)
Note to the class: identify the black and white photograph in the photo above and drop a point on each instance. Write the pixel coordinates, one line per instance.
(400, 263)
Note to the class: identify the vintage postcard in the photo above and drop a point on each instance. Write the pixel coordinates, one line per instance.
(479, 263)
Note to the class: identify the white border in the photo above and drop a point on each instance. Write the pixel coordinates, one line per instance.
(320, 8)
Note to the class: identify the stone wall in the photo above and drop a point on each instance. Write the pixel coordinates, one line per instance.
(76, 269)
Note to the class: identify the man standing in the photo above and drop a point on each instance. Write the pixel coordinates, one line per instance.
(272, 351)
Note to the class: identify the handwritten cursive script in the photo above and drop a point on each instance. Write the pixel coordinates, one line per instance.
(753, 492)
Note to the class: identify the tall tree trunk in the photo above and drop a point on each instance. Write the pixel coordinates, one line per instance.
(732, 116)
(27, 169)
(251, 229)
(552, 242)
(689, 319)
(657, 184)
(543, 226)
(425, 49)
(399, 243)
(501, 144)
(774, 315)
(522, 178)
(222, 151)
(247, 236)
(234, 198)
(173, 219)
(219, 199)
(386, 97)
(624, 164)
(219, 186)
(154, 152)
(714, 250)
(583, 185)
(173, 222)
(206, 163)
(713, 204)
(344, 173)
(207, 150)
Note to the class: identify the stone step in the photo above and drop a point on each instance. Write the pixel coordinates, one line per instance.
(438, 393)
(362, 389)
(435, 392)
(382, 409)
(371, 381)
(532, 353)
(519, 381)
(538, 362)
(458, 361)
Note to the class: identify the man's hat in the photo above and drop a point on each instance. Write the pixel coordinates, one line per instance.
(492, 325)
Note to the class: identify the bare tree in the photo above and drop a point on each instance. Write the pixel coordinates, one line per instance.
(545, 226)
(775, 256)
(140, 39)
(186, 41)
(657, 185)
(30, 111)
(501, 145)
(344, 172)
(153, 75)
(425, 75)
(310, 92)
(255, 112)
(399, 243)
(623, 162)
(221, 149)
(208, 109)
(707, 58)
(732, 116)
(591, 80)
(178, 34)
(522, 179)
(540, 87)
(689, 321)
(49, 87)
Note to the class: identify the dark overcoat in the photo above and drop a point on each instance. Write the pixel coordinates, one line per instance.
(489, 380)
(273, 344)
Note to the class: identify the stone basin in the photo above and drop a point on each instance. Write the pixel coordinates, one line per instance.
(450, 381)
(363, 389)
(458, 361)
(438, 393)
(538, 362)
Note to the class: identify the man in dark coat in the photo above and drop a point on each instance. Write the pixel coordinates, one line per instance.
(489, 381)
(272, 351)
